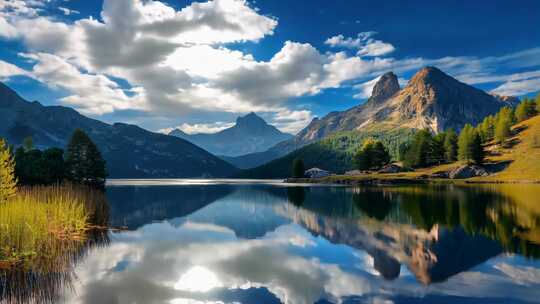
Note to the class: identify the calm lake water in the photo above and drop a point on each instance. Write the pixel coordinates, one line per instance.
(205, 241)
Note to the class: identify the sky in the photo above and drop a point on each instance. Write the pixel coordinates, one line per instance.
(199, 65)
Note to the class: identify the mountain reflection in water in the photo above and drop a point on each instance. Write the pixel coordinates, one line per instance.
(257, 243)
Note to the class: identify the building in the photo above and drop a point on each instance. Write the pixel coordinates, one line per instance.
(316, 173)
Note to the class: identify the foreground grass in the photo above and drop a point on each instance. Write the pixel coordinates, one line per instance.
(41, 224)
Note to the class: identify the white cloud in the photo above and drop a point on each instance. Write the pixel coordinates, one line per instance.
(68, 11)
(201, 128)
(7, 30)
(364, 43)
(173, 63)
(91, 93)
(8, 70)
(215, 21)
(518, 87)
(291, 121)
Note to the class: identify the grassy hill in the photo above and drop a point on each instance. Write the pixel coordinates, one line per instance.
(523, 154)
(333, 153)
(519, 161)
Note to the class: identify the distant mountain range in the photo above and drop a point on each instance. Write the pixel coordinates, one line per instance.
(250, 134)
(130, 151)
(431, 99)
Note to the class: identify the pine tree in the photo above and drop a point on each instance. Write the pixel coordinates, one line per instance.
(503, 123)
(298, 168)
(372, 155)
(487, 128)
(477, 150)
(8, 182)
(450, 145)
(465, 140)
(525, 110)
(420, 151)
(84, 162)
(380, 155)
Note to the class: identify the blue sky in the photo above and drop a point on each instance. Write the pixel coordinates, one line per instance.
(199, 65)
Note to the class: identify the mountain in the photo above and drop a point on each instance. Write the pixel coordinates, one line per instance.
(250, 134)
(431, 99)
(130, 151)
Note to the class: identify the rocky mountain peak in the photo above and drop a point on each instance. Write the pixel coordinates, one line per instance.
(385, 88)
(430, 76)
(250, 120)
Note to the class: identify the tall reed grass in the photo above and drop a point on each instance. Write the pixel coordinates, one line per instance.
(40, 222)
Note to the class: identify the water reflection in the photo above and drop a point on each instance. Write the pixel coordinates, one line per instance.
(262, 243)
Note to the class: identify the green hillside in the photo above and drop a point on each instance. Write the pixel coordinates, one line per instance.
(333, 153)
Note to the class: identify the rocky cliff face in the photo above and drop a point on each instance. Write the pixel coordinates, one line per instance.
(431, 99)
(130, 151)
(250, 134)
(385, 88)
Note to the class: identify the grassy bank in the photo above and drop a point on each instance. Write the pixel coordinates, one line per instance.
(520, 159)
(41, 224)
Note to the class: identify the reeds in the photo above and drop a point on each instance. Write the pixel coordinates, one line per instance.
(39, 222)
(43, 232)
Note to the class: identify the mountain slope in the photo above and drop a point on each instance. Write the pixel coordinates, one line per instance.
(431, 99)
(250, 134)
(333, 153)
(523, 155)
(130, 151)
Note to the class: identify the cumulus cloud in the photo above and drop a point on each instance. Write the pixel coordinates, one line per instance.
(8, 70)
(291, 121)
(201, 128)
(169, 63)
(363, 43)
(91, 93)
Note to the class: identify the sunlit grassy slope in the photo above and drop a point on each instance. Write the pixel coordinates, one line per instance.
(523, 155)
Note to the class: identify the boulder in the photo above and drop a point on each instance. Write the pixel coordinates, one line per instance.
(467, 171)
(391, 168)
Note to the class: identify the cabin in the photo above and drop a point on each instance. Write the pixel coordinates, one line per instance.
(316, 173)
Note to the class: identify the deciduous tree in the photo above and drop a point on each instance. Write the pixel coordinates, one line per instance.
(8, 182)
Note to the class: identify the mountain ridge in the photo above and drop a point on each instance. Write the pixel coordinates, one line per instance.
(431, 99)
(250, 134)
(150, 154)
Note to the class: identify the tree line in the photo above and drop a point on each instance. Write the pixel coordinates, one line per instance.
(80, 163)
(426, 149)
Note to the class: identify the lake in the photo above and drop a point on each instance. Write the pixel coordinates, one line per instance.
(226, 241)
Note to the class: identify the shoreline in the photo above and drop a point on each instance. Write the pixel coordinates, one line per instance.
(367, 180)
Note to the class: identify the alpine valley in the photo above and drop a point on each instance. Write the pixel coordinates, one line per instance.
(150, 154)
(431, 99)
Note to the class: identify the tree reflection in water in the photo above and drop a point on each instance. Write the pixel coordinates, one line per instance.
(437, 231)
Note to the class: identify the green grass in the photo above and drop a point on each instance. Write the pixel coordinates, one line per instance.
(40, 224)
(524, 156)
